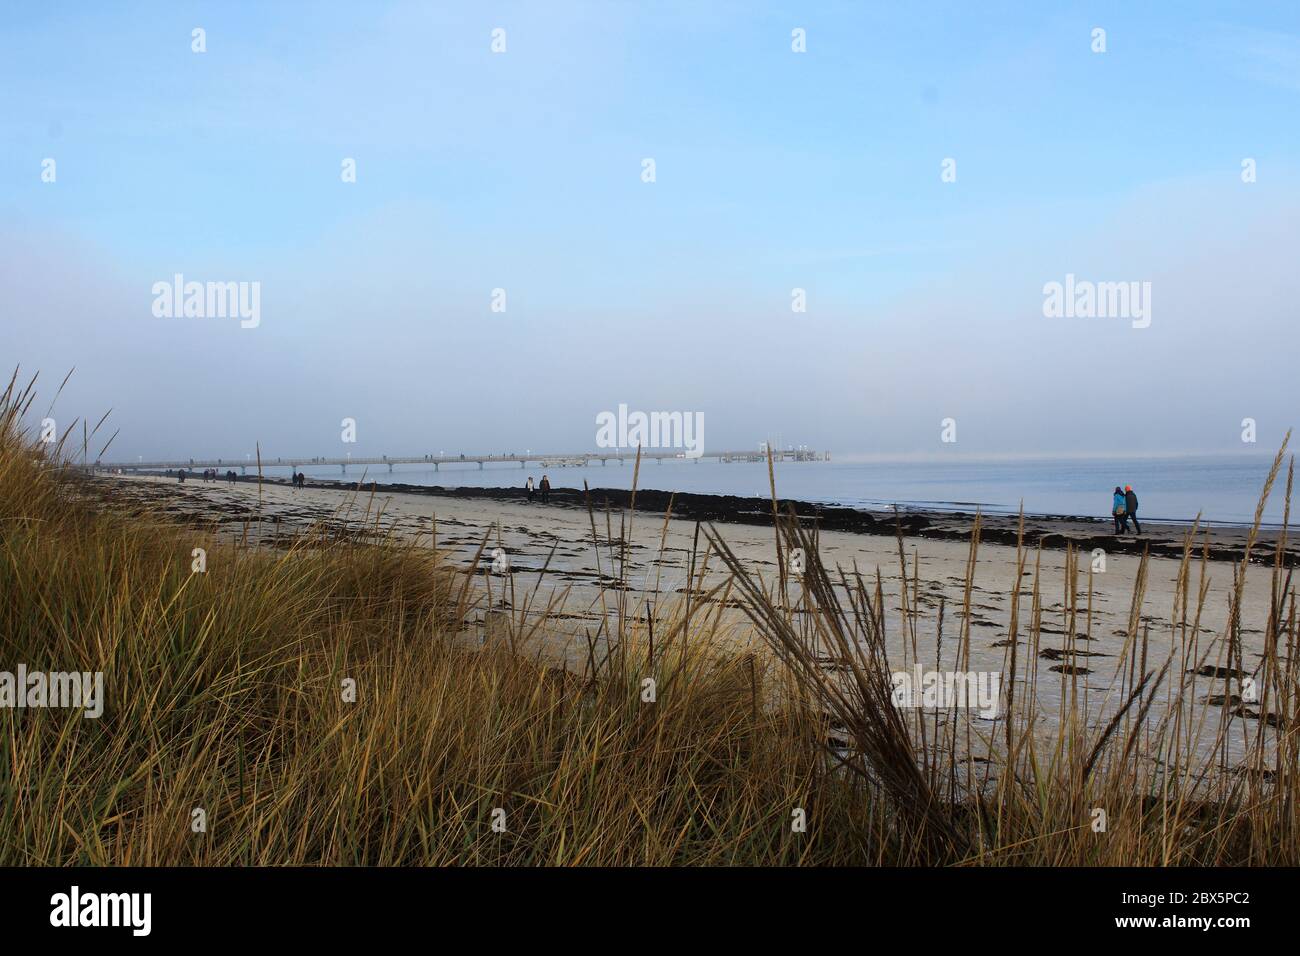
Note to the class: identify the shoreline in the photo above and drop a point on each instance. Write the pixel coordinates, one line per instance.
(1161, 538)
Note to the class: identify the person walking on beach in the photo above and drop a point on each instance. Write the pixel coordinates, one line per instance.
(545, 488)
(1119, 508)
(529, 488)
(181, 475)
(1131, 506)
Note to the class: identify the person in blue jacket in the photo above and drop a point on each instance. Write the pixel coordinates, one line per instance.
(1119, 509)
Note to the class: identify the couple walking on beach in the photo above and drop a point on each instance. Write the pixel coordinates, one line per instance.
(544, 488)
(1125, 509)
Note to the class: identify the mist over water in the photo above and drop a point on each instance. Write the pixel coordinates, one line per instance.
(1220, 488)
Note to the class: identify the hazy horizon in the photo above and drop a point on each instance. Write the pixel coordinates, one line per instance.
(775, 170)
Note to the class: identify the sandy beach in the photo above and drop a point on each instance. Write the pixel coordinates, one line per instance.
(560, 553)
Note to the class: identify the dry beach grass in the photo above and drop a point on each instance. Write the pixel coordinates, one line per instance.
(225, 691)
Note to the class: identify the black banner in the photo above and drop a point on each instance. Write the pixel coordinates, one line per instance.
(340, 905)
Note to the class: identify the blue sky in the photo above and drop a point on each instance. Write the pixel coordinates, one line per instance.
(775, 170)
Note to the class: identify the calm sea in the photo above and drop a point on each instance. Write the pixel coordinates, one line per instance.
(1221, 488)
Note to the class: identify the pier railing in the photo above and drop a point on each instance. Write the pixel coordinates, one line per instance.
(575, 459)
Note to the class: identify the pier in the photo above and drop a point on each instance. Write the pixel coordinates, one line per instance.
(569, 460)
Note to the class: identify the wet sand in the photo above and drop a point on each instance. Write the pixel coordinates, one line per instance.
(1159, 538)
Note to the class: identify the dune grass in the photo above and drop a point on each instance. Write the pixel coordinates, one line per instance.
(225, 692)
(1171, 773)
(350, 701)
